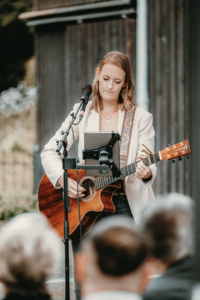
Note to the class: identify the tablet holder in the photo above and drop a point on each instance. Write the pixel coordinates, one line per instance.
(104, 155)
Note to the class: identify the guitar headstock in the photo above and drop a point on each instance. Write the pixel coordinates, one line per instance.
(176, 150)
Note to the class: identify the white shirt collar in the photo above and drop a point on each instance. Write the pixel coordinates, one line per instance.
(113, 295)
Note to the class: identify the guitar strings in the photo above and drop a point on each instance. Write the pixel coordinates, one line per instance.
(103, 180)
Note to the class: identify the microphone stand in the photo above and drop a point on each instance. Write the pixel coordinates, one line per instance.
(67, 163)
(71, 163)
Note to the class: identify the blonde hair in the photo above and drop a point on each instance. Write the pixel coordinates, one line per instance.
(126, 101)
(29, 253)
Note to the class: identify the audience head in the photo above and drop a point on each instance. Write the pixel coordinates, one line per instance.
(29, 254)
(113, 257)
(168, 224)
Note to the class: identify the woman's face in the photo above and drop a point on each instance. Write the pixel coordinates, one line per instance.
(111, 80)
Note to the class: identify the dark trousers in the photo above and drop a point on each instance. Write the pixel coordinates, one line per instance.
(121, 208)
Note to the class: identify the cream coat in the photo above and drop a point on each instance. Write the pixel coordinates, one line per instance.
(138, 193)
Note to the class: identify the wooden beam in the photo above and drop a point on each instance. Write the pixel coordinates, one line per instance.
(74, 9)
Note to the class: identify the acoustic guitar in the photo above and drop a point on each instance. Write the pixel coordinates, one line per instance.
(98, 194)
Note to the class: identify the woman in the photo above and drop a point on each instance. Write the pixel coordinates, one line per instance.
(113, 91)
(29, 253)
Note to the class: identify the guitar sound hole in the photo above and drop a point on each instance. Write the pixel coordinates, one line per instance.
(88, 184)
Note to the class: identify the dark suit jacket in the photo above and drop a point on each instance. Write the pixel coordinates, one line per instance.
(14, 296)
(175, 284)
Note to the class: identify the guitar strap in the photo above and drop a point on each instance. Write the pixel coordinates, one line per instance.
(126, 136)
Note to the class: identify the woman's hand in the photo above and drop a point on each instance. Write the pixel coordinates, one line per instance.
(142, 171)
(72, 188)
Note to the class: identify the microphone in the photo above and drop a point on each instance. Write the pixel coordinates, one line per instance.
(87, 90)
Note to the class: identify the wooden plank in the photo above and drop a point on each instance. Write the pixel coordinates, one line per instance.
(168, 91)
(164, 92)
(50, 81)
(167, 96)
(188, 98)
(173, 84)
(46, 4)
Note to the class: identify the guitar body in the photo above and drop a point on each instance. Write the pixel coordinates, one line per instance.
(91, 206)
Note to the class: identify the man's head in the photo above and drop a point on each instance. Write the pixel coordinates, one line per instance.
(168, 224)
(113, 257)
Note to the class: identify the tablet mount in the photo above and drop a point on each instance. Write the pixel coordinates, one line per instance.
(104, 155)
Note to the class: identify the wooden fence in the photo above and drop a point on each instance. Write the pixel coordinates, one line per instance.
(16, 183)
(16, 169)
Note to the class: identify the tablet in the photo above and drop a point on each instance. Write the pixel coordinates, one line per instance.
(95, 140)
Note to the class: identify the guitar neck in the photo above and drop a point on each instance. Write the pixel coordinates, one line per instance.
(102, 182)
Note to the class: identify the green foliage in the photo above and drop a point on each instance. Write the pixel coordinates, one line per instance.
(10, 10)
(16, 41)
(12, 206)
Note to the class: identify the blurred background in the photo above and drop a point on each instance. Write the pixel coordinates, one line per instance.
(17, 110)
(66, 40)
(49, 50)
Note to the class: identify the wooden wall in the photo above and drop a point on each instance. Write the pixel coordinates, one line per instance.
(195, 120)
(168, 48)
(68, 54)
(46, 4)
(66, 60)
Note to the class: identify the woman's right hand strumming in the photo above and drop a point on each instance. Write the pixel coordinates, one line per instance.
(72, 188)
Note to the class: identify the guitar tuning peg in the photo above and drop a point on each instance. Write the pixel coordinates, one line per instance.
(57, 142)
(183, 139)
(172, 161)
(169, 145)
(177, 142)
(180, 158)
(62, 132)
(187, 156)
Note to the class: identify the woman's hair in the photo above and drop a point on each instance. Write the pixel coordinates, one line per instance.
(29, 254)
(126, 100)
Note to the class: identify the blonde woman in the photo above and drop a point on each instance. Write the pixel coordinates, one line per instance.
(113, 95)
(29, 253)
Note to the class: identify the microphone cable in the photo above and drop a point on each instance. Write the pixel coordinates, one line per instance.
(78, 201)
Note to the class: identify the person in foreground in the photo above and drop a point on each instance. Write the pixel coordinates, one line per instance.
(168, 226)
(112, 263)
(29, 254)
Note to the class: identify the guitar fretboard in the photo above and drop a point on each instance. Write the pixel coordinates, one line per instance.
(102, 182)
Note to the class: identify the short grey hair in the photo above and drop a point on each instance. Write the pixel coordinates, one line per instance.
(168, 224)
(29, 253)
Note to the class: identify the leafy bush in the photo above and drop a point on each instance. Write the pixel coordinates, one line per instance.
(16, 42)
(12, 206)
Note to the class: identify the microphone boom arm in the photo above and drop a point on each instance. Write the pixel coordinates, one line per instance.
(65, 133)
